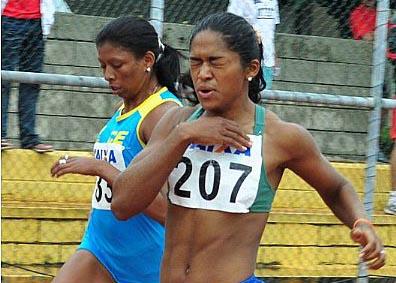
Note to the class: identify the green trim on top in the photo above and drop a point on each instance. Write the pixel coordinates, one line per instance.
(259, 122)
(196, 114)
(265, 193)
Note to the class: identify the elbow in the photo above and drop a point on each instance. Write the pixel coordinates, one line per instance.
(123, 211)
(124, 203)
(119, 211)
(118, 206)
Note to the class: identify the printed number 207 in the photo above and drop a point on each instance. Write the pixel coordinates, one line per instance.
(216, 180)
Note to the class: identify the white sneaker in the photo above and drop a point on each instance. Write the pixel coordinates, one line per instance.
(391, 207)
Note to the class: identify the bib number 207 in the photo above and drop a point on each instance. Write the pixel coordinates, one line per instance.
(246, 170)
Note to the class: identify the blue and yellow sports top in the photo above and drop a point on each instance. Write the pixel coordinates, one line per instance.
(130, 250)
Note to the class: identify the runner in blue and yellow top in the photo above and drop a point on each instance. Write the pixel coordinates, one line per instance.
(142, 71)
(223, 161)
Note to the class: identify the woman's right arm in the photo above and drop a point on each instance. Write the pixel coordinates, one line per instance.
(136, 187)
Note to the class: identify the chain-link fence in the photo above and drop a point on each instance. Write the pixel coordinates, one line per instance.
(325, 80)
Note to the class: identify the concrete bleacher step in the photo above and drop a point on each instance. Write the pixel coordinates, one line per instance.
(26, 177)
(27, 274)
(302, 237)
(294, 243)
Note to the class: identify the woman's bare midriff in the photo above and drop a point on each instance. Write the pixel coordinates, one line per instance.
(221, 248)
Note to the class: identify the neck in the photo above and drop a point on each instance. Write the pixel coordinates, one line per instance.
(147, 89)
(241, 111)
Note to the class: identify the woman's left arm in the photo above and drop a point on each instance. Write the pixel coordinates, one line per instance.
(338, 193)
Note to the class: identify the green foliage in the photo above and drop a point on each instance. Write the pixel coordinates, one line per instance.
(385, 142)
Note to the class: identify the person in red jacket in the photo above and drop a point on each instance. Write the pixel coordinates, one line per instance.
(362, 20)
(24, 28)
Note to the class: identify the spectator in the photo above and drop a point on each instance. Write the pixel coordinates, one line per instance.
(25, 25)
(263, 15)
(362, 20)
(391, 206)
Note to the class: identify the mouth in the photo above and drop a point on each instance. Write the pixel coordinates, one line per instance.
(115, 89)
(205, 93)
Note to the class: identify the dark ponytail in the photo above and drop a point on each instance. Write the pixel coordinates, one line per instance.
(139, 36)
(167, 67)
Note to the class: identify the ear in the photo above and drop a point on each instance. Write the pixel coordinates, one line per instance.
(253, 68)
(149, 59)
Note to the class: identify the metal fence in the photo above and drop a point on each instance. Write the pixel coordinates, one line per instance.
(328, 82)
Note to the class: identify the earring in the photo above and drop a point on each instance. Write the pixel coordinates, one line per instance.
(250, 79)
(148, 69)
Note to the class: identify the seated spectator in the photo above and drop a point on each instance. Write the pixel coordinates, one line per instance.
(362, 20)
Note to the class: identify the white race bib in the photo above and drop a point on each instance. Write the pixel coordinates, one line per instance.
(266, 9)
(112, 153)
(217, 178)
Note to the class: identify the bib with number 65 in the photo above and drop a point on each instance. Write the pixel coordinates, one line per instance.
(112, 153)
(217, 178)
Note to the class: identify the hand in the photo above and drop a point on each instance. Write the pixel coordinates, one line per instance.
(216, 130)
(277, 68)
(75, 165)
(372, 252)
(368, 36)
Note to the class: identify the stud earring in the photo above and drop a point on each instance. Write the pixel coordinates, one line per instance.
(148, 69)
(249, 79)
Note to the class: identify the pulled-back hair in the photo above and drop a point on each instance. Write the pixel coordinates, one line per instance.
(239, 37)
(139, 36)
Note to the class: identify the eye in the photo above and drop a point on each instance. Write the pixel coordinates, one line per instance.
(217, 62)
(195, 61)
(116, 65)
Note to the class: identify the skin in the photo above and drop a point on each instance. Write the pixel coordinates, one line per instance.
(370, 35)
(214, 246)
(128, 79)
(369, 3)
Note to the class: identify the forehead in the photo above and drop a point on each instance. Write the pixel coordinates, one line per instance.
(109, 48)
(209, 43)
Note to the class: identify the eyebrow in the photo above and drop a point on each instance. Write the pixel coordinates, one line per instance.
(211, 58)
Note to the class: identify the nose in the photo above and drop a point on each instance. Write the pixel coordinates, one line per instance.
(205, 72)
(108, 74)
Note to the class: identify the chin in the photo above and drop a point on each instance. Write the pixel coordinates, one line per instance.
(212, 106)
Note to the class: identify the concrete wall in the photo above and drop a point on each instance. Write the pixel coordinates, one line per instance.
(70, 117)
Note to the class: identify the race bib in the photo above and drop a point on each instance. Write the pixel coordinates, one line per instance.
(112, 153)
(266, 9)
(217, 177)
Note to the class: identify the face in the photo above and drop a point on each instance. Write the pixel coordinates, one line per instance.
(217, 73)
(124, 72)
